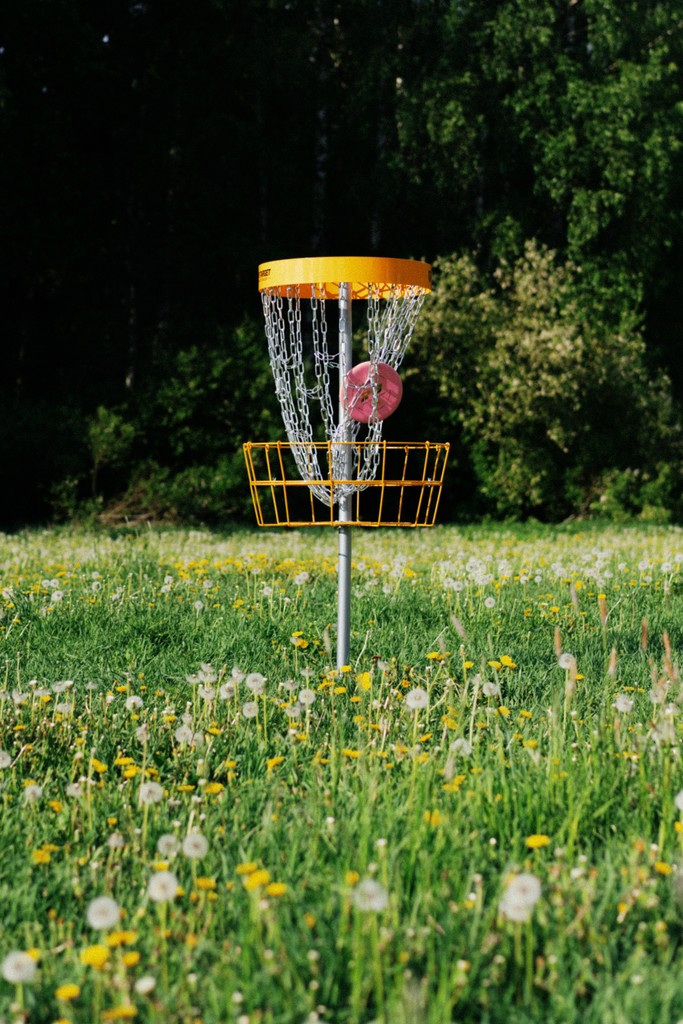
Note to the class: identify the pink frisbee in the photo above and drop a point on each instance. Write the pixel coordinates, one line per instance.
(357, 391)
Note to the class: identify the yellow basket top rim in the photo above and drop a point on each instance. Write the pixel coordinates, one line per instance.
(326, 273)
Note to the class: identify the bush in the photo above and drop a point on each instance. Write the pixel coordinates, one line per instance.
(546, 396)
(173, 450)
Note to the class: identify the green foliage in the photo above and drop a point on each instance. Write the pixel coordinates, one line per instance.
(173, 450)
(111, 439)
(137, 209)
(546, 395)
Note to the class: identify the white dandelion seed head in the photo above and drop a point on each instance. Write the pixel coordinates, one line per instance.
(168, 845)
(301, 578)
(566, 660)
(162, 887)
(490, 602)
(207, 692)
(227, 690)
(250, 709)
(623, 704)
(116, 841)
(183, 734)
(307, 697)
(417, 698)
(461, 746)
(62, 685)
(103, 913)
(491, 690)
(256, 683)
(32, 793)
(18, 967)
(521, 895)
(150, 793)
(134, 702)
(195, 845)
(370, 896)
(5, 759)
(146, 984)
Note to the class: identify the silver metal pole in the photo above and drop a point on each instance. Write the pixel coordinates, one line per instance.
(346, 501)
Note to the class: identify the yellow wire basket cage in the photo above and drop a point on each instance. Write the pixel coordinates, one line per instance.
(405, 492)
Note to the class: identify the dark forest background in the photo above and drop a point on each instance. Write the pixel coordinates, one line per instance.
(153, 153)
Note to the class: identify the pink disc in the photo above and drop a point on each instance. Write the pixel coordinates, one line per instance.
(357, 391)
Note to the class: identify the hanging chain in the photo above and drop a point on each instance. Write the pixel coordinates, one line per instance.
(389, 329)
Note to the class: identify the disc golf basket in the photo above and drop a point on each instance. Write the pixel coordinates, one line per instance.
(335, 469)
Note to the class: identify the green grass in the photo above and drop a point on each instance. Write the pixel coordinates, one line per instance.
(118, 671)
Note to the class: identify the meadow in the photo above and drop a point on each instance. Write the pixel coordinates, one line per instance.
(480, 819)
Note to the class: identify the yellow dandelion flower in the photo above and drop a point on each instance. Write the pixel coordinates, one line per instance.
(437, 656)
(348, 752)
(121, 937)
(505, 712)
(433, 818)
(276, 889)
(131, 958)
(68, 992)
(364, 680)
(310, 920)
(125, 1012)
(206, 884)
(273, 762)
(40, 857)
(662, 868)
(257, 879)
(351, 877)
(454, 784)
(247, 868)
(507, 662)
(99, 766)
(213, 788)
(94, 956)
(56, 805)
(537, 840)
(123, 761)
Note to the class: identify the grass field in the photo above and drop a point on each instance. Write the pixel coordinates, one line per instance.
(479, 820)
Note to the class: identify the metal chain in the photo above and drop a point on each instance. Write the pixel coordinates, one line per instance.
(389, 329)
